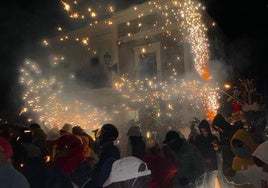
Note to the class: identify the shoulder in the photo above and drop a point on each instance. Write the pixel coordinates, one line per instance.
(251, 174)
(110, 148)
(21, 180)
(13, 177)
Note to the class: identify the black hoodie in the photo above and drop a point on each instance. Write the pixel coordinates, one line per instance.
(227, 128)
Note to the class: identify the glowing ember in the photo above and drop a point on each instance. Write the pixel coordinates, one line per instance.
(44, 95)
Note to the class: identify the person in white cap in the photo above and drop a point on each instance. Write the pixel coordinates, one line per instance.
(128, 172)
(256, 175)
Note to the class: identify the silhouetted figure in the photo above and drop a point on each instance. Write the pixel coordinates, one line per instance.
(226, 132)
(77, 130)
(107, 152)
(9, 176)
(242, 145)
(136, 145)
(188, 157)
(206, 143)
(39, 137)
(257, 174)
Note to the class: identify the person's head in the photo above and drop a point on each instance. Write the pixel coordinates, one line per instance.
(6, 150)
(241, 149)
(260, 156)
(203, 132)
(66, 129)
(219, 123)
(242, 144)
(35, 126)
(173, 140)
(134, 131)
(204, 128)
(108, 133)
(77, 130)
(53, 134)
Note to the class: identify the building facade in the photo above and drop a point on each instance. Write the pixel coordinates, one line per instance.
(139, 42)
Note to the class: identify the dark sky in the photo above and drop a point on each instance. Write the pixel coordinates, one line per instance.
(245, 25)
(23, 22)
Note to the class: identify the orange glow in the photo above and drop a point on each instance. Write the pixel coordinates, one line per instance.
(206, 73)
(227, 86)
(217, 183)
(44, 95)
(210, 115)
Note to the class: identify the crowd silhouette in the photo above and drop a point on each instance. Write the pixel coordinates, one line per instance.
(123, 156)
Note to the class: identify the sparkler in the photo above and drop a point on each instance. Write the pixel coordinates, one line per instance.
(44, 95)
(197, 95)
(200, 95)
(45, 98)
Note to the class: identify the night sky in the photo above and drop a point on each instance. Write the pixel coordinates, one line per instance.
(25, 22)
(245, 24)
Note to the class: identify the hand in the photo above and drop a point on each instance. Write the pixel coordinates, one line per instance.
(229, 172)
(215, 146)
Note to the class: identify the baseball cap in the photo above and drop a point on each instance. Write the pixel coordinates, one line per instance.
(261, 152)
(125, 169)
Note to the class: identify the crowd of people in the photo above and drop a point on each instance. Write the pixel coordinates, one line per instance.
(114, 158)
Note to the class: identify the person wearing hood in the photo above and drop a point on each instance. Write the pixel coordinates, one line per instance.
(69, 150)
(188, 158)
(226, 132)
(257, 174)
(108, 153)
(242, 145)
(224, 128)
(206, 142)
(39, 137)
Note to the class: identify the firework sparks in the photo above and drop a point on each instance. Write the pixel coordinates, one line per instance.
(44, 95)
(45, 98)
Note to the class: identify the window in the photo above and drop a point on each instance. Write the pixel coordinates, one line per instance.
(147, 61)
